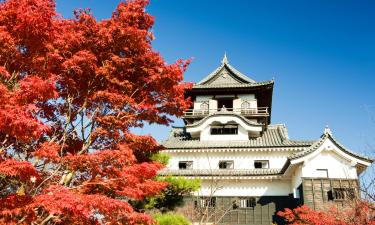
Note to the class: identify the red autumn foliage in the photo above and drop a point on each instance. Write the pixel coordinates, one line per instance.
(70, 92)
(355, 213)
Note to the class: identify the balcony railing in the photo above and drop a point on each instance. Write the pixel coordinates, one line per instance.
(248, 112)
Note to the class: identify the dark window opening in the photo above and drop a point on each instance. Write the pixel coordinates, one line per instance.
(226, 103)
(261, 164)
(342, 194)
(204, 202)
(184, 165)
(228, 129)
(226, 165)
(247, 202)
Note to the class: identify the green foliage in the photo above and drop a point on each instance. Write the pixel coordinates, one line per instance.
(163, 158)
(182, 185)
(172, 196)
(171, 219)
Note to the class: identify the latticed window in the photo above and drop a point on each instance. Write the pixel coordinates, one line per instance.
(204, 107)
(246, 108)
(205, 202)
(247, 202)
(342, 194)
(224, 129)
(245, 105)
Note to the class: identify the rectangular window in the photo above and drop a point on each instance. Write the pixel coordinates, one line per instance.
(229, 129)
(208, 202)
(226, 165)
(261, 164)
(185, 165)
(342, 194)
(247, 202)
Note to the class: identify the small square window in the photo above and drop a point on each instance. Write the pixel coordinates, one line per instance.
(226, 165)
(185, 165)
(261, 164)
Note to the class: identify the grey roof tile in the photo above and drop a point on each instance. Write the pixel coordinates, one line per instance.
(274, 136)
(327, 135)
(239, 80)
(231, 85)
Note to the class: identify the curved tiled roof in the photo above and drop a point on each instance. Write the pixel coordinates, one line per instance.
(229, 85)
(239, 79)
(274, 136)
(327, 135)
(226, 65)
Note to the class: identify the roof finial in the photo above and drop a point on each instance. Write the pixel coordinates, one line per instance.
(225, 59)
(327, 130)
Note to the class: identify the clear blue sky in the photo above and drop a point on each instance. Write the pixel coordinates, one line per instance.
(321, 54)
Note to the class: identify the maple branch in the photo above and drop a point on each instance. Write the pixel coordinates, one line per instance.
(50, 216)
(45, 180)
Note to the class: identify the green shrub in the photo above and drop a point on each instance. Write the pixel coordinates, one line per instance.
(163, 158)
(171, 219)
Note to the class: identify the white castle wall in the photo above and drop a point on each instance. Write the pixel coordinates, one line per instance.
(242, 160)
(296, 181)
(245, 188)
(337, 166)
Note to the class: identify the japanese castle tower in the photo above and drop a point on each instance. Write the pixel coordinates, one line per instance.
(249, 168)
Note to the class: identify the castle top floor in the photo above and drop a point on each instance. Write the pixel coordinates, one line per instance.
(228, 90)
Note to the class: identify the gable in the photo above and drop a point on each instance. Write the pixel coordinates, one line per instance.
(327, 142)
(224, 76)
(329, 164)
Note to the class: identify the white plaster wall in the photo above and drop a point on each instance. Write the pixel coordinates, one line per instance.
(337, 166)
(242, 160)
(247, 96)
(197, 105)
(203, 98)
(213, 105)
(237, 105)
(296, 180)
(244, 188)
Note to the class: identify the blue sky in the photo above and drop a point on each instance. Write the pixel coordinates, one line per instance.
(321, 54)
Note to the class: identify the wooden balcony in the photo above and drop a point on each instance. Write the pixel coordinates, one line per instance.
(246, 112)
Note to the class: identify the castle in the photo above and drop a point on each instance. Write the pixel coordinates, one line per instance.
(249, 168)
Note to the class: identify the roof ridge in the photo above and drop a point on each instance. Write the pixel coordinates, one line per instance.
(326, 135)
(225, 63)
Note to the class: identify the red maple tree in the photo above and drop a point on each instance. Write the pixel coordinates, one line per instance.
(70, 91)
(358, 212)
